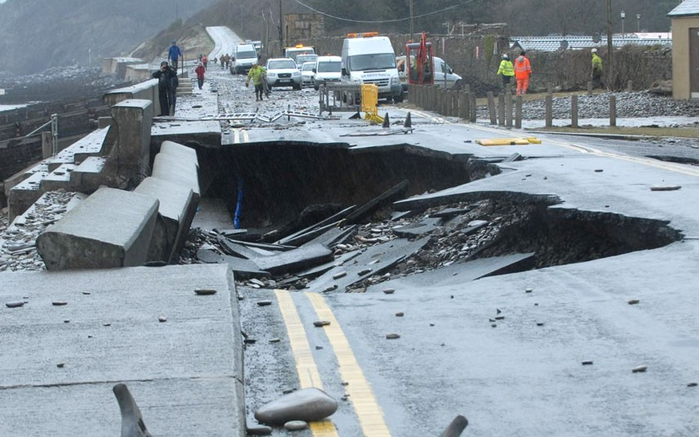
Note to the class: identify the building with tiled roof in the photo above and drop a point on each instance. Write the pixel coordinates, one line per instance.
(573, 42)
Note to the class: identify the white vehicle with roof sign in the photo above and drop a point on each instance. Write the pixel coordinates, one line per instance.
(370, 59)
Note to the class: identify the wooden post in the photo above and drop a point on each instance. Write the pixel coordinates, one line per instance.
(589, 89)
(472, 106)
(549, 110)
(629, 86)
(455, 102)
(612, 110)
(574, 110)
(491, 108)
(463, 105)
(518, 112)
(501, 109)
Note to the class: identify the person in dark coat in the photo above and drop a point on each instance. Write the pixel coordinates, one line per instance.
(164, 76)
(174, 83)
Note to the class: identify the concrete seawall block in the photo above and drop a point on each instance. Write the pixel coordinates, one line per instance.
(111, 228)
(133, 119)
(176, 149)
(177, 169)
(171, 228)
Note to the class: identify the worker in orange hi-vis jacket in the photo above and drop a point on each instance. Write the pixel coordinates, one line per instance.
(523, 70)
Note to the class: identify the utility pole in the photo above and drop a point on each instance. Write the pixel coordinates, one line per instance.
(610, 63)
(281, 28)
(412, 28)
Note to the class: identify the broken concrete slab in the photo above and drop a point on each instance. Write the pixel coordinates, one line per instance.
(374, 260)
(176, 149)
(295, 260)
(176, 202)
(242, 268)
(323, 223)
(417, 229)
(111, 228)
(240, 250)
(177, 169)
(319, 270)
(186, 374)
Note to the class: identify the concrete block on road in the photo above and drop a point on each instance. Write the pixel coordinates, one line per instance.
(171, 229)
(176, 149)
(111, 228)
(177, 169)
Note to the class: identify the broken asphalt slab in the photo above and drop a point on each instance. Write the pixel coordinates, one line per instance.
(374, 260)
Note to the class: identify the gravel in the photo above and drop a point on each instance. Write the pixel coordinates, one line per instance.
(641, 104)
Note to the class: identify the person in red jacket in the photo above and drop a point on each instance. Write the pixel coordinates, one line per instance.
(523, 70)
(200, 70)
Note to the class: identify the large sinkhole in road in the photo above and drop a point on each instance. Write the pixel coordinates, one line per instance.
(291, 185)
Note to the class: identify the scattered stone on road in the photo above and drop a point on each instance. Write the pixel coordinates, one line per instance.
(392, 336)
(639, 369)
(321, 323)
(295, 425)
(264, 303)
(310, 404)
(14, 304)
(258, 430)
(204, 291)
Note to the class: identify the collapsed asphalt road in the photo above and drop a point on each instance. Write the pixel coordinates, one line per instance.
(575, 349)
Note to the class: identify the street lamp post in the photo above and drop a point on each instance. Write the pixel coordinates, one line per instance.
(623, 15)
(638, 22)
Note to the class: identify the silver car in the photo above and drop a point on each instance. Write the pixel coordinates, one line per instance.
(283, 72)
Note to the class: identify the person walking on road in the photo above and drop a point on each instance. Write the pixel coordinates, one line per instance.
(597, 70)
(523, 71)
(174, 54)
(257, 73)
(205, 61)
(507, 70)
(200, 70)
(164, 76)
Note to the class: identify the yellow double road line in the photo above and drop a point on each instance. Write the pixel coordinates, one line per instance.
(238, 133)
(360, 394)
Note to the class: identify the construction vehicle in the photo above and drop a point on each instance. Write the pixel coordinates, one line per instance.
(420, 62)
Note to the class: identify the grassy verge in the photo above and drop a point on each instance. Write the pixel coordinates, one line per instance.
(658, 132)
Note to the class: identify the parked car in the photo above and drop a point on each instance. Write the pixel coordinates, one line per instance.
(302, 59)
(327, 69)
(444, 76)
(307, 73)
(283, 72)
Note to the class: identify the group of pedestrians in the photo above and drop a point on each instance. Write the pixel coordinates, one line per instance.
(521, 70)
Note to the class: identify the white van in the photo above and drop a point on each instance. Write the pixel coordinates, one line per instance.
(444, 76)
(369, 58)
(328, 69)
(244, 56)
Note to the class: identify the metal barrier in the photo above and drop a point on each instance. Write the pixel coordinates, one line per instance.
(339, 97)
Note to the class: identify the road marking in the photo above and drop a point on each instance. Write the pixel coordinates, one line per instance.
(305, 364)
(669, 166)
(360, 394)
(237, 134)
